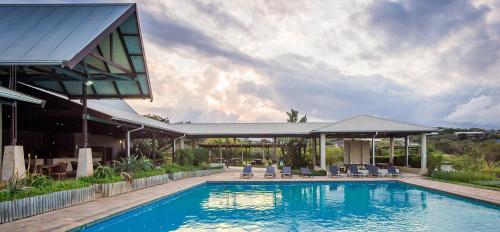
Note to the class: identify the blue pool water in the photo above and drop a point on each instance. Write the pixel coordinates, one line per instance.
(340, 206)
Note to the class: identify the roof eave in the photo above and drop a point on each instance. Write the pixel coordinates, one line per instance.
(71, 63)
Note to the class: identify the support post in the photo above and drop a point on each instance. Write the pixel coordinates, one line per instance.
(391, 150)
(322, 141)
(274, 148)
(407, 150)
(423, 154)
(373, 151)
(13, 86)
(84, 115)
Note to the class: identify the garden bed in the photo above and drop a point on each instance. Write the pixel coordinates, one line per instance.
(30, 206)
(116, 188)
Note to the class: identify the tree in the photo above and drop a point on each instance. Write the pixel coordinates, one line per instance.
(157, 118)
(294, 151)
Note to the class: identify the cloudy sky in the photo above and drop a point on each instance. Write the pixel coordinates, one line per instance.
(431, 62)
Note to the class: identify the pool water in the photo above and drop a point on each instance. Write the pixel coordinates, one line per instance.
(305, 206)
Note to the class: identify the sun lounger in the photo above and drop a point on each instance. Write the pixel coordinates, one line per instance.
(287, 171)
(391, 170)
(270, 172)
(305, 172)
(247, 172)
(372, 170)
(353, 171)
(334, 171)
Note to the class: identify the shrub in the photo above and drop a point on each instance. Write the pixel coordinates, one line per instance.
(434, 160)
(148, 173)
(94, 180)
(463, 176)
(319, 173)
(134, 163)
(37, 181)
(54, 186)
(103, 171)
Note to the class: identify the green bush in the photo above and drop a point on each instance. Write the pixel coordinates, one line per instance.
(134, 163)
(103, 171)
(148, 173)
(94, 180)
(462, 176)
(37, 181)
(54, 186)
(319, 173)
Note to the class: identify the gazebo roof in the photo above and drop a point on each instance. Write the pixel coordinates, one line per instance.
(371, 124)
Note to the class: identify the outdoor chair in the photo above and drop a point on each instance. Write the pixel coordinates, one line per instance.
(305, 172)
(59, 170)
(247, 172)
(74, 166)
(270, 172)
(287, 171)
(372, 170)
(353, 171)
(334, 171)
(391, 170)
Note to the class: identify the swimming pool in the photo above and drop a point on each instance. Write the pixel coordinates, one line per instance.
(307, 206)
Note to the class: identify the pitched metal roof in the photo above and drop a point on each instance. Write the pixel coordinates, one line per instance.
(52, 33)
(129, 117)
(18, 96)
(59, 46)
(249, 129)
(366, 123)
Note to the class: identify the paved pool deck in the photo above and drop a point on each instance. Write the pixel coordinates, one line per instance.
(75, 216)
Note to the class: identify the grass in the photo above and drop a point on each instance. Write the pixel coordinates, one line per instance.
(468, 178)
(52, 186)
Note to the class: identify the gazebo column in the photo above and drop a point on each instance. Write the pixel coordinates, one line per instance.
(322, 145)
(423, 154)
(373, 150)
(391, 150)
(274, 148)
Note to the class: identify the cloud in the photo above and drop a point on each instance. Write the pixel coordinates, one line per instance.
(422, 22)
(481, 111)
(165, 30)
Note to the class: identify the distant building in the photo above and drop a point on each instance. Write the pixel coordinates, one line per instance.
(470, 134)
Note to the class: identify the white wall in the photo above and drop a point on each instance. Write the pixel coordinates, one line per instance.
(356, 152)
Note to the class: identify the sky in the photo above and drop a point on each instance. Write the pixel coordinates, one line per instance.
(430, 62)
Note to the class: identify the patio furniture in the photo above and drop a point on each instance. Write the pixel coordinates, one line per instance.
(287, 171)
(74, 167)
(305, 172)
(334, 171)
(247, 172)
(353, 171)
(372, 170)
(270, 172)
(393, 172)
(59, 170)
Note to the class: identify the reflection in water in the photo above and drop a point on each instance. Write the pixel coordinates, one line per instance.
(349, 206)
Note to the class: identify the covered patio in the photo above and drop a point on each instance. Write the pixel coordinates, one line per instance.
(358, 134)
(74, 68)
